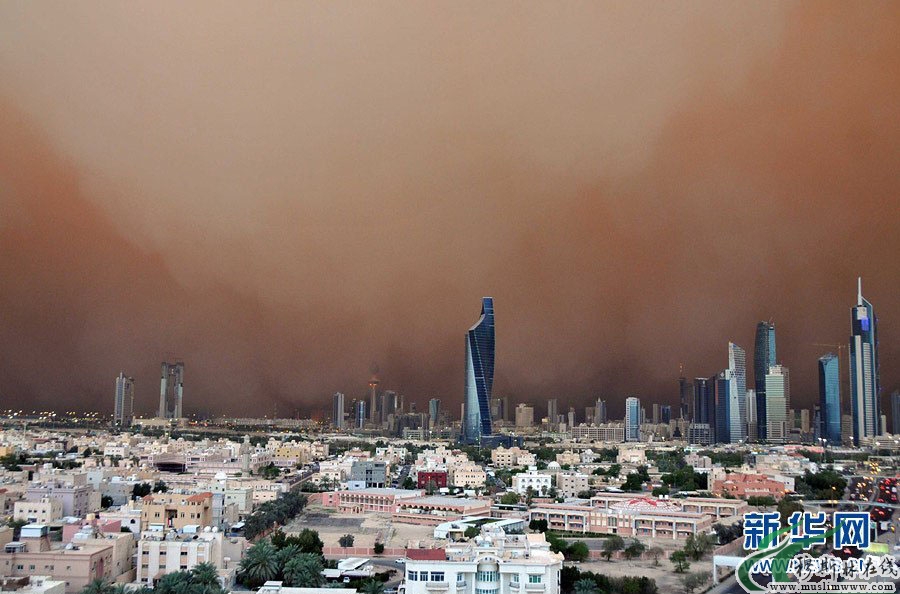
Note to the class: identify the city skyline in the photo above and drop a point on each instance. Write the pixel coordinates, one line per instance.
(281, 232)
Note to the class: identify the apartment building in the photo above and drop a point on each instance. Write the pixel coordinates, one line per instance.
(176, 510)
(467, 476)
(539, 483)
(45, 511)
(160, 552)
(570, 484)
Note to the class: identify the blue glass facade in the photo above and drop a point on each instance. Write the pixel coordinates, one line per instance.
(704, 403)
(721, 396)
(830, 398)
(763, 358)
(632, 419)
(737, 401)
(864, 381)
(479, 374)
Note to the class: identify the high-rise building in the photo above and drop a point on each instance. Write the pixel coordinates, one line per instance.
(864, 380)
(752, 421)
(570, 418)
(830, 398)
(123, 412)
(685, 390)
(847, 430)
(373, 399)
(655, 413)
(600, 415)
(804, 421)
(764, 356)
(737, 401)
(434, 411)
(704, 401)
(553, 411)
(721, 395)
(524, 416)
(778, 392)
(588, 415)
(479, 374)
(337, 410)
(895, 411)
(665, 414)
(360, 414)
(389, 401)
(171, 390)
(632, 419)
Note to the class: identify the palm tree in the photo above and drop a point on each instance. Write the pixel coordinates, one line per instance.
(205, 575)
(98, 586)
(304, 570)
(373, 587)
(260, 564)
(287, 553)
(585, 586)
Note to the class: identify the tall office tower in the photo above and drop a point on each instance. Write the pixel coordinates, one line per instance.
(123, 412)
(778, 393)
(632, 419)
(588, 415)
(804, 420)
(665, 414)
(817, 423)
(643, 418)
(864, 381)
(360, 414)
(704, 400)
(171, 390)
(505, 400)
(895, 412)
(373, 399)
(495, 409)
(390, 400)
(434, 411)
(764, 356)
(737, 402)
(830, 398)
(570, 418)
(337, 410)
(752, 422)
(553, 411)
(721, 395)
(847, 430)
(524, 416)
(600, 412)
(479, 374)
(655, 413)
(684, 396)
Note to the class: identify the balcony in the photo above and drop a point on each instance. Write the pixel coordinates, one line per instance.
(437, 586)
(534, 587)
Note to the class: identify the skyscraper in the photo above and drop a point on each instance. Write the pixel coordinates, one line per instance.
(684, 396)
(655, 413)
(360, 414)
(895, 411)
(434, 409)
(171, 390)
(751, 414)
(704, 401)
(524, 416)
(553, 411)
(632, 419)
(778, 395)
(830, 398)
(373, 399)
(864, 381)
(665, 414)
(570, 418)
(737, 401)
(337, 410)
(479, 374)
(721, 394)
(600, 412)
(124, 406)
(763, 358)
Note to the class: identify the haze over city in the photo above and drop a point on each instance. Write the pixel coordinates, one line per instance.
(282, 198)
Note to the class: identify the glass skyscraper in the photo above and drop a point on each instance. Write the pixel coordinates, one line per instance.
(864, 389)
(778, 395)
(124, 408)
(763, 358)
(830, 398)
(737, 399)
(632, 419)
(479, 374)
(704, 403)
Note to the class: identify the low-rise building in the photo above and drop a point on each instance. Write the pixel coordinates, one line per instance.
(176, 510)
(435, 510)
(367, 474)
(367, 500)
(570, 484)
(467, 476)
(44, 511)
(160, 552)
(539, 483)
(745, 485)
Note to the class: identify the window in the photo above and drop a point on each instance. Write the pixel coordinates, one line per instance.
(515, 578)
(437, 576)
(534, 579)
(460, 577)
(487, 576)
(413, 576)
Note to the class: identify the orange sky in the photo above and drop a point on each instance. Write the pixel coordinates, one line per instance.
(283, 193)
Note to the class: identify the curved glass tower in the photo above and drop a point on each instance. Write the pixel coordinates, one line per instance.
(864, 388)
(479, 374)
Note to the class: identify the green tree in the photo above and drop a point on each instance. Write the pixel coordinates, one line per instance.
(762, 501)
(694, 580)
(98, 586)
(346, 541)
(509, 498)
(304, 570)
(661, 490)
(698, 545)
(408, 483)
(614, 470)
(613, 544)
(680, 560)
(787, 507)
(586, 586)
(379, 548)
(309, 542)
(206, 576)
(656, 553)
(141, 490)
(160, 487)
(106, 502)
(260, 564)
(634, 549)
(372, 587)
(538, 525)
(577, 551)
(633, 483)
(471, 532)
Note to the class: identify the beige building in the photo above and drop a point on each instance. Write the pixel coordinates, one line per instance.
(467, 476)
(45, 511)
(568, 457)
(570, 484)
(524, 416)
(162, 552)
(175, 511)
